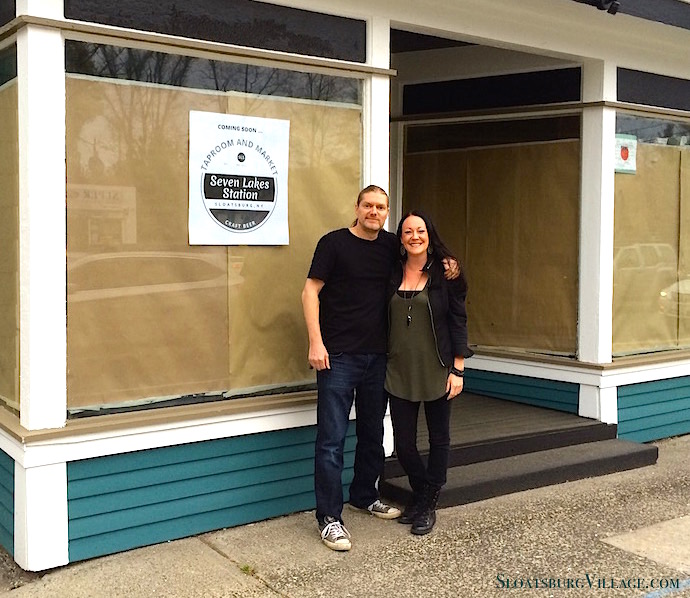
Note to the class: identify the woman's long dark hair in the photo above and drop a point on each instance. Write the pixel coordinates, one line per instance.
(439, 249)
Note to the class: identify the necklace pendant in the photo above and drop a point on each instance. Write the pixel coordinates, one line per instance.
(409, 319)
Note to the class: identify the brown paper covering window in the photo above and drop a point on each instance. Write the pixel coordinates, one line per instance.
(9, 246)
(511, 216)
(148, 315)
(651, 263)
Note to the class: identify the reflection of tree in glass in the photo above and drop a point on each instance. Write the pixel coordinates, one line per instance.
(130, 64)
(225, 76)
(260, 80)
(652, 129)
(140, 114)
(141, 125)
(257, 81)
(140, 122)
(674, 132)
(183, 71)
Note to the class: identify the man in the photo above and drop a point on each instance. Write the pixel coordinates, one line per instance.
(344, 301)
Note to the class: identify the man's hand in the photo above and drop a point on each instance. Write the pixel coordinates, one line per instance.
(318, 357)
(451, 267)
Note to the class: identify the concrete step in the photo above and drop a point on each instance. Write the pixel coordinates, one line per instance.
(505, 475)
(490, 448)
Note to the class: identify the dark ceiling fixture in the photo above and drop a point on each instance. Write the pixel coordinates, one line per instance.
(610, 6)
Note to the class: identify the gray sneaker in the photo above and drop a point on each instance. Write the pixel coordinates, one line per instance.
(381, 510)
(334, 535)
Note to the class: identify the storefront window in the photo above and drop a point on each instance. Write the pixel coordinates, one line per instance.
(8, 11)
(150, 317)
(240, 22)
(130, 64)
(651, 262)
(9, 230)
(505, 197)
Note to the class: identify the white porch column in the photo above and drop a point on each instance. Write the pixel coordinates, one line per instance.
(376, 139)
(376, 128)
(596, 217)
(596, 232)
(42, 260)
(40, 516)
(50, 9)
(599, 403)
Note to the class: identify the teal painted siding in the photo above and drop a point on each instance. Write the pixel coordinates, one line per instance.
(654, 410)
(562, 396)
(7, 502)
(145, 497)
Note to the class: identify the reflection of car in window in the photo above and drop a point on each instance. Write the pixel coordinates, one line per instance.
(641, 270)
(148, 324)
(651, 269)
(642, 256)
(674, 300)
(108, 275)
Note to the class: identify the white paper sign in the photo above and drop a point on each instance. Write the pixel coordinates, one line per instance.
(626, 154)
(238, 179)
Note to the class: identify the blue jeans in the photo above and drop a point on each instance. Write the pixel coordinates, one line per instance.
(357, 377)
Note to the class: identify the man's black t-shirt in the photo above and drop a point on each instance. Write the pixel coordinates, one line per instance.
(355, 272)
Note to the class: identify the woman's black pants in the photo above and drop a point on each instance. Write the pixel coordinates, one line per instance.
(404, 415)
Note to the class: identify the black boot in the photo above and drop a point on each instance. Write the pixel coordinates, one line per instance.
(411, 510)
(410, 513)
(426, 516)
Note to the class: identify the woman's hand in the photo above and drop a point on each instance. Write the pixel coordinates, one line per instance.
(454, 386)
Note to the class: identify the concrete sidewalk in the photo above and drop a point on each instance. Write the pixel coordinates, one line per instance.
(625, 534)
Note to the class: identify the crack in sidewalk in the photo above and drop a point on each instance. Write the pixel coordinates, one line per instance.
(251, 572)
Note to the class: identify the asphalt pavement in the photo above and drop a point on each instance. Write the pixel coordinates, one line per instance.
(624, 534)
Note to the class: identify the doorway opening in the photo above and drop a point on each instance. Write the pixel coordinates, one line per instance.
(487, 142)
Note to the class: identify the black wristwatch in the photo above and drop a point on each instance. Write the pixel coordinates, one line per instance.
(456, 371)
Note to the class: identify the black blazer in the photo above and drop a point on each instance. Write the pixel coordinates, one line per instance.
(447, 308)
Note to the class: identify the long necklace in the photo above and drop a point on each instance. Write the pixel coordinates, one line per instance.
(409, 298)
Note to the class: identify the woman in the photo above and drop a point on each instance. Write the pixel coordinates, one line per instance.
(426, 360)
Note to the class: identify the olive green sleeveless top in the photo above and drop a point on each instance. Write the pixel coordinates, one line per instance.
(414, 371)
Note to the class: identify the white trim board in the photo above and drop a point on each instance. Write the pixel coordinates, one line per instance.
(87, 446)
(581, 374)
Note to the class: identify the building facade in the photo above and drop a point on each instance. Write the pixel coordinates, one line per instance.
(155, 389)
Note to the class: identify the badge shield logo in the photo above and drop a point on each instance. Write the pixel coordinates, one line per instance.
(240, 195)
